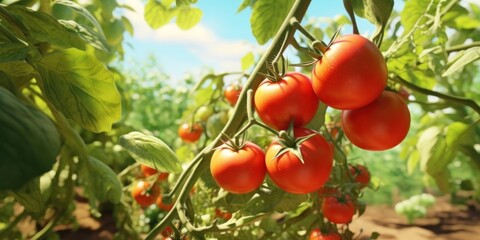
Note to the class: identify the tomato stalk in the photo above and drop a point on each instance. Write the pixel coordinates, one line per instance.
(453, 99)
(349, 8)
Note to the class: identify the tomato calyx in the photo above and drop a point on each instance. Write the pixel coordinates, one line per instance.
(235, 143)
(291, 144)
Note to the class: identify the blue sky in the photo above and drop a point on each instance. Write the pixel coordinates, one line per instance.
(218, 42)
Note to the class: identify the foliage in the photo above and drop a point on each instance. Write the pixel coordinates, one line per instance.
(57, 80)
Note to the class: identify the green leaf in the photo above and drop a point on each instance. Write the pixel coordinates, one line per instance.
(30, 141)
(19, 71)
(443, 180)
(35, 193)
(82, 11)
(81, 88)
(267, 17)
(377, 12)
(45, 28)
(103, 182)
(158, 14)
(150, 151)
(87, 34)
(462, 59)
(13, 51)
(188, 17)
(247, 61)
(128, 25)
(431, 146)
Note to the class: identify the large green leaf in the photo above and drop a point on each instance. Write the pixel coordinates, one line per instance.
(87, 34)
(267, 17)
(103, 182)
(150, 151)
(35, 193)
(29, 141)
(377, 12)
(45, 28)
(13, 51)
(188, 17)
(466, 57)
(158, 14)
(81, 88)
(82, 11)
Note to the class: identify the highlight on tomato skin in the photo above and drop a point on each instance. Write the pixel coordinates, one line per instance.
(381, 125)
(351, 73)
(232, 93)
(189, 133)
(290, 99)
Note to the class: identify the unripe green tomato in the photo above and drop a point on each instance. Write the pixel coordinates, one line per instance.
(203, 113)
(223, 117)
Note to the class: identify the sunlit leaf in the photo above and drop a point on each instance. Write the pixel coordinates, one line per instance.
(247, 61)
(158, 14)
(267, 17)
(466, 57)
(80, 87)
(377, 12)
(151, 151)
(87, 34)
(188, 17)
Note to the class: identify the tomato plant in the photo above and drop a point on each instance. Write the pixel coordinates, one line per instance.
(381, 125)
(338, 209)
(287, 100)
(190, 133)
(232, 93)
(351, 73)
(238, 169)
(145, 193)
(296, 174)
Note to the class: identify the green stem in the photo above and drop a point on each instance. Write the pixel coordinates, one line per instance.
(348, 6)
(298, 11)
(453, 99)
(461, 47)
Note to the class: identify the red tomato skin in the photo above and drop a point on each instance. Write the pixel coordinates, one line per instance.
(360, 174)
(293, 176)
(160, 204)
(290, 99)
(190, 134)
(339, 210)
(351, 74)
(232, 93)
(381, 125)
(143, 195)
(148, 171)
(316, 234)
(241, 171)
(221, 214)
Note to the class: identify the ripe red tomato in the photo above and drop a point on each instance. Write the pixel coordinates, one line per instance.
(316, 234)
(144, 194)
(290, 99)
(190, 133)
(381, 125)
(351, 74)
(167, 231)
(232, 93)
(290, 174)
(360, 174)
(338, 209)
(148, 171)
(164, 206)
(221, 214)
(238, 171)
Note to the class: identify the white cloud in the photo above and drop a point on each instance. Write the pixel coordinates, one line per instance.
(201, 41)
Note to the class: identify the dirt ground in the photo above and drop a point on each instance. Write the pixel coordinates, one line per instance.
(444, 222)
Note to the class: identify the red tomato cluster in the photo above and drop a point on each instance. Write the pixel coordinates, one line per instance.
(352, 76)
(146, 193)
